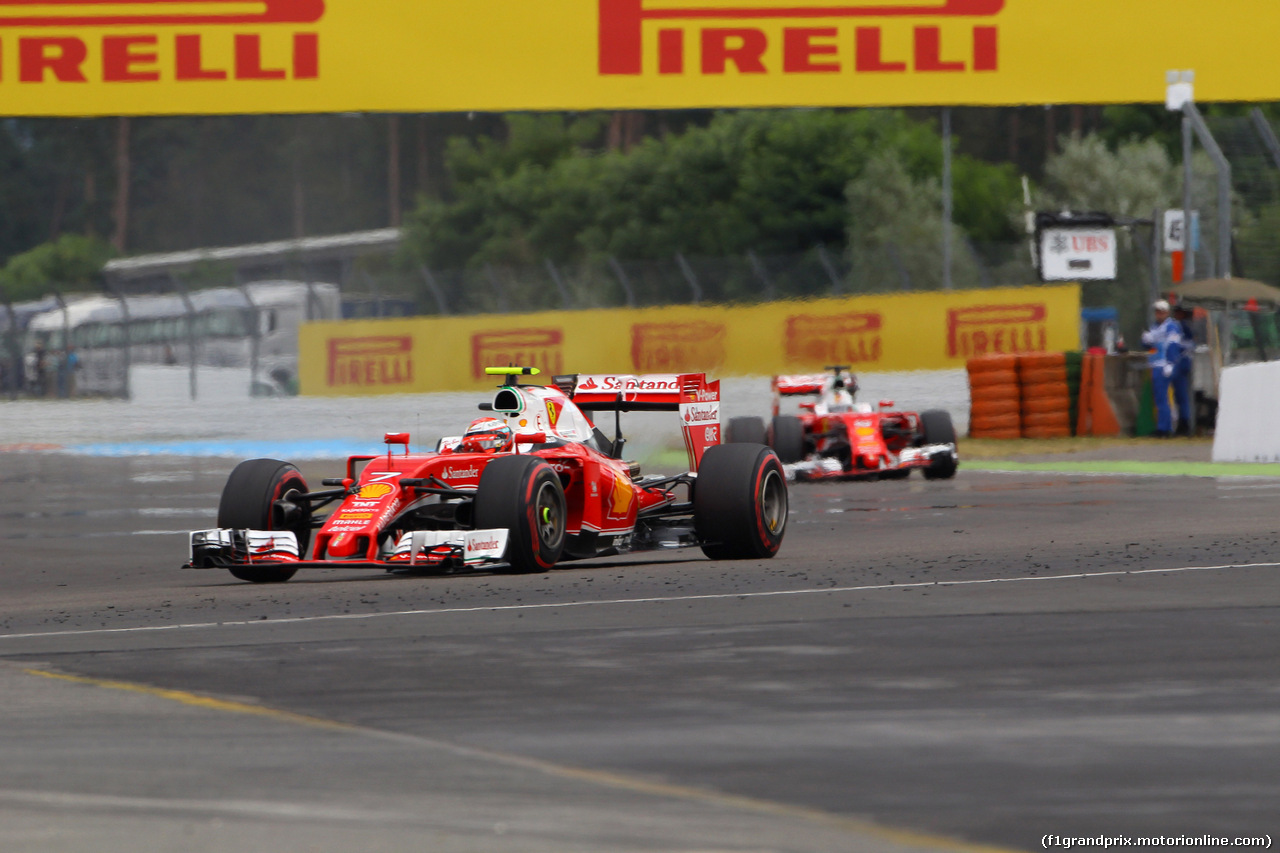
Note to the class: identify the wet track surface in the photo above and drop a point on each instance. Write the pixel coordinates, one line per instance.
(925, 665)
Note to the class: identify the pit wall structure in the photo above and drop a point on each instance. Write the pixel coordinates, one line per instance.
(938, 330)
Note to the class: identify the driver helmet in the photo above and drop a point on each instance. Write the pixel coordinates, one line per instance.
(487, 435)
(840, 391)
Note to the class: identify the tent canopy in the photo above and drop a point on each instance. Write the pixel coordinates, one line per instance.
(1228, 291)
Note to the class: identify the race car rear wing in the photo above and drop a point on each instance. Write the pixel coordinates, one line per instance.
(796, 385)
(690, 394)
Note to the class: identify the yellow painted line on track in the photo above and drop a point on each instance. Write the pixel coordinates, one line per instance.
(605, 778)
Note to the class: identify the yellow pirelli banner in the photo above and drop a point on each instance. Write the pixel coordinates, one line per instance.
(924, 331)
(104, 57)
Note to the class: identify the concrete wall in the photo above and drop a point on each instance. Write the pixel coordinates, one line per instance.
(1248, 428)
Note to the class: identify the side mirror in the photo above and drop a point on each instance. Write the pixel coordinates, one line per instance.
(887, 404)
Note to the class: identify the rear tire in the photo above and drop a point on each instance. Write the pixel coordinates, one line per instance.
(248, 501)
(745, 431)
(740, 502)
(523, 495)
(787, 438)
(936, 428)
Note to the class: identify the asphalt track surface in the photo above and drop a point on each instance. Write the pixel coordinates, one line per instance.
(963, 665)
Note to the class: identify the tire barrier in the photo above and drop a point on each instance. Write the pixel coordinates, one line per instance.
(995, 404)
(1031, 395)
(1046, 396)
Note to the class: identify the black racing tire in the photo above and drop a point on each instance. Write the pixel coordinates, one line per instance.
(936, 428)
(745, 431)
(523, 494)
(740, 502)
(787, 438)
(248, 501)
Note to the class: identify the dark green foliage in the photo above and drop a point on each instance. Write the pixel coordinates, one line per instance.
(70, 263)
(763, 181)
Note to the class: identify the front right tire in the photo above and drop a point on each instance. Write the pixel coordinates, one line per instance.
(249, 501)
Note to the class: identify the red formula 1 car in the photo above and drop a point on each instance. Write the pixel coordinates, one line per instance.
(530, 484)
(835, 437)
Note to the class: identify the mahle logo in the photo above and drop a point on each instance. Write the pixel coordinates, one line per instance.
(763, 37)
(81, 41)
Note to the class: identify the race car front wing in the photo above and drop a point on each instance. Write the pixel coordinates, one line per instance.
(223, 548)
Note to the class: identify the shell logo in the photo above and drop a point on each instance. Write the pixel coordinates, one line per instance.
(373, 491)
(623, 494)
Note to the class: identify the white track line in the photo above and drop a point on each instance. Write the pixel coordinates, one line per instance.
(497, 608)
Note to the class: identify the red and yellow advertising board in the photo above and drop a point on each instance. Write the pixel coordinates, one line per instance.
(106, 57)
(897, 332)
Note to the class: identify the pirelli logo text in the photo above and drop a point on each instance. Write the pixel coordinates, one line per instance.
(676, 347)
(835, 339)
(767, 37)
(149, 41)
(997, 329)
(384, 361)
(541, 348)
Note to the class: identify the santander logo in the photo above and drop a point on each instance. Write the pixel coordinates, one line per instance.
(695, 414)
(460, 473)
(483, 544)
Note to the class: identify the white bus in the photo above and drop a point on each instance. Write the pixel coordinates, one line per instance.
(254, 326)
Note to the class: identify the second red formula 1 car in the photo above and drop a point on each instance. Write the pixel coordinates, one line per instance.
(531, 483)
(835, 437)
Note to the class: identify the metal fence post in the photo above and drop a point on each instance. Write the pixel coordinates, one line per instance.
(757, 266)
(623, 280)
(181, 287)
(560, 285)
(690, 277)
(1224, 185)
(442, 307)
(497, 288)
(896, 260)
(1268, 134)
(837, 283)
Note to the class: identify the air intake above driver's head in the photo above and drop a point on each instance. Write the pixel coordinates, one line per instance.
(508, 400)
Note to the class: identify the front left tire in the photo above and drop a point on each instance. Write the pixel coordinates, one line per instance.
(740, 502)
(523, 495)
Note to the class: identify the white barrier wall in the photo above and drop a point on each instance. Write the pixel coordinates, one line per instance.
(1248, 414)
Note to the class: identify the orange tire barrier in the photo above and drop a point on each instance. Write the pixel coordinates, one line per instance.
(1048, 420)
(988, 363)
(1009, 406)
(1044, 406)
(995, 397)
(992, 393)
(1050, 390)
(1041, 360)
(984, 423)
(993, 377)
(1041, 375)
